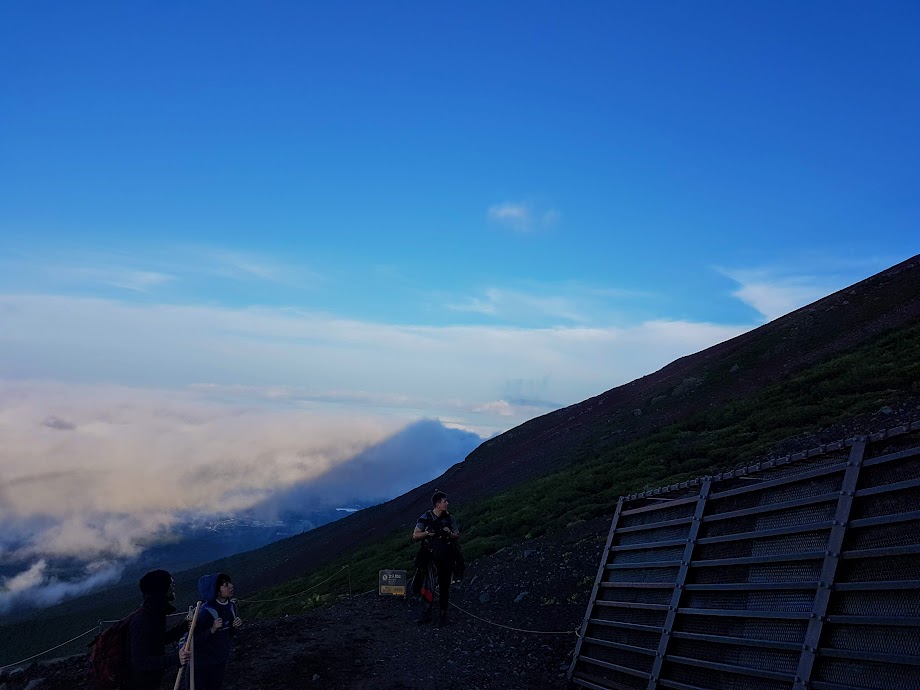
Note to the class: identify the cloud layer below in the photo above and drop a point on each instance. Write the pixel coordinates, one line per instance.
(94, 474)
(132, 465)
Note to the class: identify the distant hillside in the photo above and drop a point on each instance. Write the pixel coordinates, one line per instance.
(733, 370)
(844, 360)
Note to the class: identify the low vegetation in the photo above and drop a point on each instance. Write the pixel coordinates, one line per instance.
(619, 456)
(882, 373)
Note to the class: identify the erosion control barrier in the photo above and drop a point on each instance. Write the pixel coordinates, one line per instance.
(799, 572)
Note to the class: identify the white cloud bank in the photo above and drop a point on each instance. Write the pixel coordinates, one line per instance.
(95, 474)
(127, 462)
(35, 586)
(185, 453)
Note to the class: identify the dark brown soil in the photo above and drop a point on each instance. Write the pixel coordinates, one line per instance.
(368, 641)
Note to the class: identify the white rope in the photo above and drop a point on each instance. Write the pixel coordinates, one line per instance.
(508, 627)
(170, 615)
(296, 594)
(22, 661)
(93, 629)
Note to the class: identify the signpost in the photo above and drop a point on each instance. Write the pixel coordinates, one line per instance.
(392, 583)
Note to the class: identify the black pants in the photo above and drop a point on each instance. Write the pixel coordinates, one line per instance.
(208, 676)
(444, 562)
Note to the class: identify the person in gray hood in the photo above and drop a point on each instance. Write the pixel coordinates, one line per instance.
(217, 623)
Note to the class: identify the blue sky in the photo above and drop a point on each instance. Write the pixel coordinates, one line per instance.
(377, 213)
(493, 168)
(345, 136)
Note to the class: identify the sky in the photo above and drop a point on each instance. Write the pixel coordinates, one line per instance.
(242, 243)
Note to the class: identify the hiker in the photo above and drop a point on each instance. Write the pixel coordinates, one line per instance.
(217, 622)
(147, 634)
(437, 558)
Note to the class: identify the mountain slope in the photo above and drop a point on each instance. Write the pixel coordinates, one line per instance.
(848, 354)
(727, 371)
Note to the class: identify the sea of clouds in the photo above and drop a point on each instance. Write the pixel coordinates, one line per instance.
(95, 474)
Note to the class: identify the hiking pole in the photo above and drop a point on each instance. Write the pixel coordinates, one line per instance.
(188, 641)
(191, 662)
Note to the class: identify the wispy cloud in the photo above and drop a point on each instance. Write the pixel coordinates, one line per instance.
(776, 290)
(392, 366)
(497, 302)
(477, 305)
(147, 272)
(773, 297)
(553, 303)
(523, 216)
(134, 280)
(139, 281)
(250, 265)
(502, 408)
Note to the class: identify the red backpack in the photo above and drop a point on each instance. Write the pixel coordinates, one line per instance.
(108, 656)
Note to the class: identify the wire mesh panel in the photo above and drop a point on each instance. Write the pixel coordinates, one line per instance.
(799, 572)
(689, 672)
(872, 632)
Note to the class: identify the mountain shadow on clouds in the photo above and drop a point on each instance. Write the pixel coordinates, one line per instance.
(411, 457)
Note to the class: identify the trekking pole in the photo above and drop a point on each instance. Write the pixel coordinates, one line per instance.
(188, 641)
(191, 661)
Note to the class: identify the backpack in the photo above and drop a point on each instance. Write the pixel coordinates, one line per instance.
(108, 655)
(430, 521)
(214, 614)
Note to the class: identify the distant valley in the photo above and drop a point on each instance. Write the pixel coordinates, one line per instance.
(197, 541)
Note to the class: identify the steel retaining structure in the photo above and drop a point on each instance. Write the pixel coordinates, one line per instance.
(799, 572)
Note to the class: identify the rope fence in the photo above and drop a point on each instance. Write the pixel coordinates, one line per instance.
(169, 615)
(98, 628)
(35, 656)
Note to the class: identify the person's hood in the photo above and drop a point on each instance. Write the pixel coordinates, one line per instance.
(207, 587)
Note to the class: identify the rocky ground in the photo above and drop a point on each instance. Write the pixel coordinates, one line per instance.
(538, 590)
(501, 608)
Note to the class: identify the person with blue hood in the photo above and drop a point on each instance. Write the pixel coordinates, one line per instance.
(217, 622)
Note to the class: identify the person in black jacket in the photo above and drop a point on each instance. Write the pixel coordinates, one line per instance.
(147, 634)
(438, 531)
